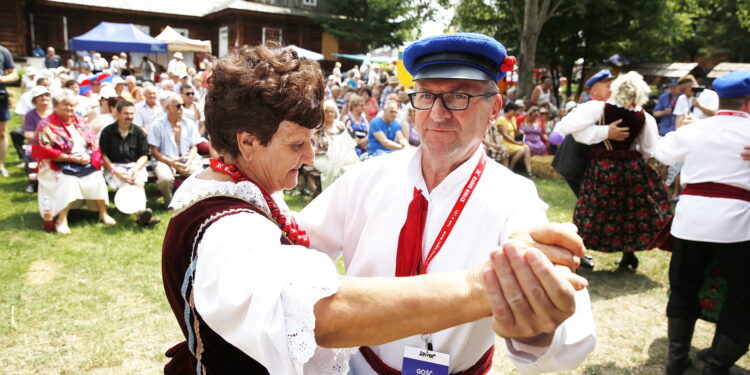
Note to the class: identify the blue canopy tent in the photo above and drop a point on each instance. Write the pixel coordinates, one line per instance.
(116, 37)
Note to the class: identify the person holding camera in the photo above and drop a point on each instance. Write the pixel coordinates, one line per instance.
(696, 102)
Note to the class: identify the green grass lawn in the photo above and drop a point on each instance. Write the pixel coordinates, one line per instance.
(93, 303)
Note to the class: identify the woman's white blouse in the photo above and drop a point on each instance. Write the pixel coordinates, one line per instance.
(257, 294)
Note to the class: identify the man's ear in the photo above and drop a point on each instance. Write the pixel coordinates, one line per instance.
(496, 106)
(248, 145)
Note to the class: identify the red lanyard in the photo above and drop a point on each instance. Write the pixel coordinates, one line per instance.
(731, 113)
(458, 207)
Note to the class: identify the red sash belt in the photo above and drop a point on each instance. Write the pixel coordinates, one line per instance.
(483, 365)
(717, 190)
(664, 239)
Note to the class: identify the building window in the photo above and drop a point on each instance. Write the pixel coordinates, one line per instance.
(310, 3)
(181, 31)
(143, 28)
(223, 40)
(272, 33)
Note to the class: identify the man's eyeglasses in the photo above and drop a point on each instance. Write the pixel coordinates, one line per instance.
(452, 101)
(189, 93)
(178, 105)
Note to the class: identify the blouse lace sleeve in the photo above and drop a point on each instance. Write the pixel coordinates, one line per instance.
(259, 295)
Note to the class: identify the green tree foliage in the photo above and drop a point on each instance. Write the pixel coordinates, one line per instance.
(715, 27)
(641, 30)
(375, 23)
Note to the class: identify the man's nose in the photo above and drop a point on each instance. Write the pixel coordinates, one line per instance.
(438, 112)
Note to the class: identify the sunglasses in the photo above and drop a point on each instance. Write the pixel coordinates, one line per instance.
(189, 93)
(178, 105)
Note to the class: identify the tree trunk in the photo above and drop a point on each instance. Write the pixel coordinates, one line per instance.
(583, 66)
(527, 57)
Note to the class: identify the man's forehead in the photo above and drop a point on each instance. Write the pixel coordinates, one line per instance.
(447, 85)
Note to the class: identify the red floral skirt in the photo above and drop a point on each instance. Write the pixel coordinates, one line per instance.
(622, 205)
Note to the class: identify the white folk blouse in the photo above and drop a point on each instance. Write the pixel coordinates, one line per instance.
(256, 293)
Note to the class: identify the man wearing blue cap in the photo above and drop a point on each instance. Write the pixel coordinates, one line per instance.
(572, 157)
(712, 217)
(664, 110)
(598, 86)
(445, 206)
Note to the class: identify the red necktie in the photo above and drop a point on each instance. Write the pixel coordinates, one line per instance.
(409, 256)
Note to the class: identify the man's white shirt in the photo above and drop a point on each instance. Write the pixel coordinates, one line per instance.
(710, 150)
(707, 98)
(362, 214)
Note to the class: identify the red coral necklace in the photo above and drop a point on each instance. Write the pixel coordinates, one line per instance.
(288, 225)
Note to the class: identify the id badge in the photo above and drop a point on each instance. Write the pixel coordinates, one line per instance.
(424, 362)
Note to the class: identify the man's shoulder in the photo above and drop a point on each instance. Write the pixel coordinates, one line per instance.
(109, 130)
(511, 182)
(159, 123)
(186, 121)
(384, 166)
(138, 131)
(708, 94)
(5, 55)
(377, 121)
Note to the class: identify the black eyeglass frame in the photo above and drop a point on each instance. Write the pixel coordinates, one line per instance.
(413, 95)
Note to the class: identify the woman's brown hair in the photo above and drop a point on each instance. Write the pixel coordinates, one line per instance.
(258, 88)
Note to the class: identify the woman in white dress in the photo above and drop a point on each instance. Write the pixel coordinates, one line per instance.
(69, 163)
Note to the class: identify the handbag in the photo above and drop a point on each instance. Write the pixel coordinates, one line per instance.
(572, 158)
(77, 170)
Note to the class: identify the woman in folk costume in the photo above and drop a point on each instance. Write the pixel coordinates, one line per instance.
(623, 202)
(249, 295)
(69, 164)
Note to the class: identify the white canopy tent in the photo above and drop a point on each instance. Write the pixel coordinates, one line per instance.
(176, 42)
(301, 52)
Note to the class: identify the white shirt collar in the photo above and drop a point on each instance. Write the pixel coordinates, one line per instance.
(453, 181)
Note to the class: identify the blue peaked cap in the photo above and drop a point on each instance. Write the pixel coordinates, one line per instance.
(456, 56)
(599, 76)
(733, 85)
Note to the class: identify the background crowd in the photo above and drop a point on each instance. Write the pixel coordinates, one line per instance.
(367, 113)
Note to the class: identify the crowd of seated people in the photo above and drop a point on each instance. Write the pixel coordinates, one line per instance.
(90, 125)
(368, 113)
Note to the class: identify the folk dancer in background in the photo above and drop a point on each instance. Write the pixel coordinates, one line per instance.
(712, 217)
